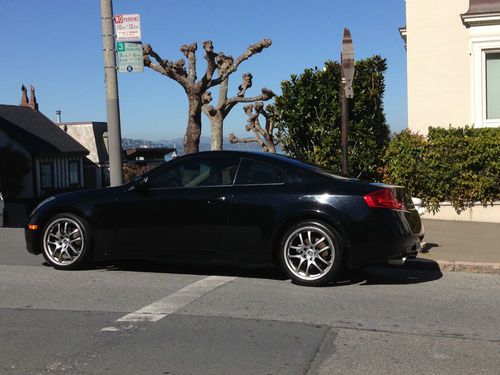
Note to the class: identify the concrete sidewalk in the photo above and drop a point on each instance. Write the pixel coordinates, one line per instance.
(462, 246)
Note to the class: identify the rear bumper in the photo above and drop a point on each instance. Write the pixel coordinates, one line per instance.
(386, 234)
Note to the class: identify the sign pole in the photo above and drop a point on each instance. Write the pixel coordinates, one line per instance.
(344, 133)
(346, 91)
(112, 101)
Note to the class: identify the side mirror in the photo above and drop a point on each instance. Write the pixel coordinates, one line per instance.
(141, 185)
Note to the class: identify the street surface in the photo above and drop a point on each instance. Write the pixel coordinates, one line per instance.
(164, 319)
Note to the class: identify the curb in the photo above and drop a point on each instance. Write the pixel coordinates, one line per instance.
(454, 266)
(474, 267)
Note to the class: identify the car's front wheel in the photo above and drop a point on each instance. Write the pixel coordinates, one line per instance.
(66, 242)
(311, 254)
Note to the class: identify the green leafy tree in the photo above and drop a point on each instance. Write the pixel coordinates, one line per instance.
(13, 167)
(309, 117)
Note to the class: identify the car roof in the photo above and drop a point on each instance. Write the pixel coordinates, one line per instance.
(265, 156)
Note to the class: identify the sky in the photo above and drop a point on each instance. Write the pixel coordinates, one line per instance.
(56, 46)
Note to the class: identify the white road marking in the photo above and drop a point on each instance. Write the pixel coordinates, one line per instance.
(173, 302)
(110, 329)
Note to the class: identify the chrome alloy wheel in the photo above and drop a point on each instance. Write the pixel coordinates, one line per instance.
(309, 253)
(63, 241)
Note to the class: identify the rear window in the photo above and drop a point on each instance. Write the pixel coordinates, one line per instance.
(310, 167)
(252, 172)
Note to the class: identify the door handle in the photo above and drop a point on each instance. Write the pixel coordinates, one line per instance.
(216, 199)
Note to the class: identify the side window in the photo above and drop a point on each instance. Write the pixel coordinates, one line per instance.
(254, 172)
(47, 175)
(197, 172)
(165, 178)
(74, 172)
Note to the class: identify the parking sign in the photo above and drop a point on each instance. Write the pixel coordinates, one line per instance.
(130, 58)
(127, 27)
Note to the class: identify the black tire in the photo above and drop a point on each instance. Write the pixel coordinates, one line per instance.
(67, 242)
(325, 257)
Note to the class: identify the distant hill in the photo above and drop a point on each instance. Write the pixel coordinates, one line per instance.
(138, 143)
(204, 144)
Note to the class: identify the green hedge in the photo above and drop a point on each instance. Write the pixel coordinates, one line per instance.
(456, 165)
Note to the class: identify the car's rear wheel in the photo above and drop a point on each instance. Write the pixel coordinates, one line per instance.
(66, 242)
(311, 253)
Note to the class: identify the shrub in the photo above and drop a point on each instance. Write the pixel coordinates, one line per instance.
(131, 171)
(458, 165)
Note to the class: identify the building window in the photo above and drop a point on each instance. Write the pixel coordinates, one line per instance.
(492, 85)
(486, 82)
(47, 175)
(74, 172)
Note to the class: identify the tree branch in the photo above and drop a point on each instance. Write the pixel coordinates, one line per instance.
(172, 70)
(253, 124)
(234, 139)
(211, 65)
(250, 51)
(209, 110)
(265, 95)
(246, 84)
(190, 52)
(223, 94)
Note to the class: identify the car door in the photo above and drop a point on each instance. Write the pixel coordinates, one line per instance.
(180, 210)
(258, 198)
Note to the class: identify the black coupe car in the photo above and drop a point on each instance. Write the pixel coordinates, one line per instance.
(231, 206)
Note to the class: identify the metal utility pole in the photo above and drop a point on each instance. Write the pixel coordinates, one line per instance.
(347, 68)
(112, 102)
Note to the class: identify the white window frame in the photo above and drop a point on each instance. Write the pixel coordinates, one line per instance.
(479, 50)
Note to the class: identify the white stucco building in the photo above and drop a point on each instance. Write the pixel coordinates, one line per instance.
(453, 62)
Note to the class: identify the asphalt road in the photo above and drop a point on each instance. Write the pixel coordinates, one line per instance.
(161, 319)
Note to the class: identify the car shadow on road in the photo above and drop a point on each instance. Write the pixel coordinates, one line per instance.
(414, 272)
(198, 269)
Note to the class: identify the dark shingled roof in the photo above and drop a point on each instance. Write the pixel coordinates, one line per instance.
(36, 132)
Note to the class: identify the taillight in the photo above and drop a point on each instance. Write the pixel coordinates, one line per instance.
(384, 198)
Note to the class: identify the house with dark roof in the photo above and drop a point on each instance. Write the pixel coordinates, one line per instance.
(56, 159)
(94, 137)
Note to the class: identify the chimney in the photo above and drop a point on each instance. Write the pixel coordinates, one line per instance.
(24, 96)
(32, 103)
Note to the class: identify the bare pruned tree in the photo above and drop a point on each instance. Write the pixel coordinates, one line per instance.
(224, 105)
(263, 135)
(187, 78)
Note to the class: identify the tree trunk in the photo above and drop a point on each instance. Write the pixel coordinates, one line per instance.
(193, 130)
(216, 123)
(271, 147)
